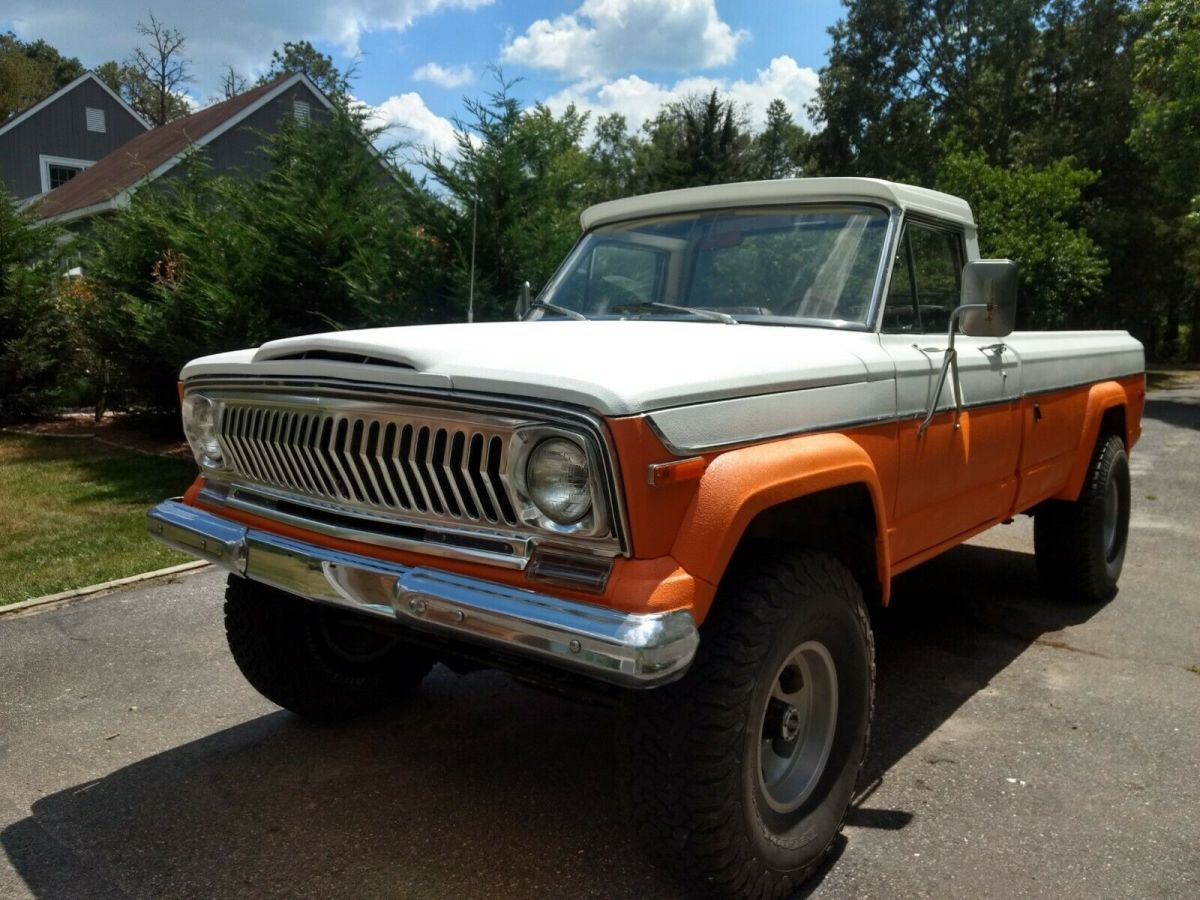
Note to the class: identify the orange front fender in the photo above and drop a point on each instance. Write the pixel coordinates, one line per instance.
(740, 484)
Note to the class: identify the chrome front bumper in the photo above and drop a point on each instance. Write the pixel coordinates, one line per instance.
(633, 650)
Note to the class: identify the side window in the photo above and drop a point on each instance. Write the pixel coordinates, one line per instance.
(926, 281)
(900, 314)
(937, 266)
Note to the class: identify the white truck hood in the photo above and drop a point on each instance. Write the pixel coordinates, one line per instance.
(613, 367)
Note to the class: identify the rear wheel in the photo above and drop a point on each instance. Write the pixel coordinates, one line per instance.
(741, 773)
(317, 661)
(1080, 545)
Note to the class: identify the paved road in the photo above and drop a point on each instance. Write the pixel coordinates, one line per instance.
(1022, 748)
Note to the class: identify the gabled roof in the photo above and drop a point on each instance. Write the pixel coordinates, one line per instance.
(16, 119)
(109, 183)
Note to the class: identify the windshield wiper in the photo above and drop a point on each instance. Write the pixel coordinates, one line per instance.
(711, 314)
(561, 310)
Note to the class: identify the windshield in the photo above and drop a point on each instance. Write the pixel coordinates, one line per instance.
(811, 265)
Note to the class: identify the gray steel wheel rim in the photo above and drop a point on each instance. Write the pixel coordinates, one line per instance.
(789, 770)
(1112, 518)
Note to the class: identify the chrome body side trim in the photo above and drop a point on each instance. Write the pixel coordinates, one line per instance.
(627, 649)
(687, 430)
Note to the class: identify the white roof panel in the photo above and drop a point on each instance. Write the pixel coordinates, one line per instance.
(779, 191)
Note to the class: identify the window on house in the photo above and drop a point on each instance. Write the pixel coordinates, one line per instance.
(61, 174)
(58, 170)
(95, 120)
(302, 111)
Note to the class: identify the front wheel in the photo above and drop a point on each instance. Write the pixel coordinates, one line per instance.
(742, 771)
(317, 661)
(1080, 547)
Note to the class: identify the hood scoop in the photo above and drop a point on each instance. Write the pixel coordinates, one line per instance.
(336, 356)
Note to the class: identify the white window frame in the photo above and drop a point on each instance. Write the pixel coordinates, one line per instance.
(301, 111)
(45, 162)
(88, 112)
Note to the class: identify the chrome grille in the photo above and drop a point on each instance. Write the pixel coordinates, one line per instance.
(384, 460)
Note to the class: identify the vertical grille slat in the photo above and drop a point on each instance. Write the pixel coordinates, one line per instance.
(454, 475)
(371, 458)
(275, 448)
(253, 436)
(392, 460)
(475, 457)
(409, 461)
(283, 450)
(334, 438)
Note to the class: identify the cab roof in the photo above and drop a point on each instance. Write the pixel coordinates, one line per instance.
(782, 191)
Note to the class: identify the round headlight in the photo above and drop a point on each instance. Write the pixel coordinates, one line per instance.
(558, 480)
(200, 428)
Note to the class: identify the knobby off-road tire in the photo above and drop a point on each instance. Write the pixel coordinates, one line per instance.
(709, 794)
(1080, 546)
(314, 660)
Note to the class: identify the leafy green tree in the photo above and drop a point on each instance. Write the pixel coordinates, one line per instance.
(302, 57)
(34, 336)
(1167, 94)
(613, 154)
(1031, 215)
(1167, 131)
(872, 116)
(30, 71)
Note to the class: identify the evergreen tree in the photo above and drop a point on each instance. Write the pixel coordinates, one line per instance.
(303, 57)
(513, 190)
(34, 337)
(779, 150)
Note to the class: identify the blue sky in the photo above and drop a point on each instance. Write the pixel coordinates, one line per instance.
(416, 59)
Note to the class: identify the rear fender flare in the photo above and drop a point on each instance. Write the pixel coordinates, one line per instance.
(1101, 398)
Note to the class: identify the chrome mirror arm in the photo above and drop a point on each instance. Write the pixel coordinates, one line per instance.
(949, 367)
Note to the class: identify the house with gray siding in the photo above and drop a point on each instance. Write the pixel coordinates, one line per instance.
(58, 138)
(229, 134)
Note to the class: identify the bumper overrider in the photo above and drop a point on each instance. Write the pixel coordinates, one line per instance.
(628, 649)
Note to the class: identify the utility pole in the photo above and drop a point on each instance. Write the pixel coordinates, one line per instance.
(471, 289)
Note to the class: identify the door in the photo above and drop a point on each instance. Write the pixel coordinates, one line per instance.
(961, 472)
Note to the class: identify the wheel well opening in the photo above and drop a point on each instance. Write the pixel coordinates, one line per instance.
(839, 521)
(1112, 423)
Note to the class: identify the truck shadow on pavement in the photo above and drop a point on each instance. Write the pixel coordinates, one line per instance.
(477, 787)
(1182, 412)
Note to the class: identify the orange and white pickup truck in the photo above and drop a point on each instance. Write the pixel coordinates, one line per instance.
(683, 478)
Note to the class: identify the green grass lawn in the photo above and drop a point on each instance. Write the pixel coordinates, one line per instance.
(73, 513)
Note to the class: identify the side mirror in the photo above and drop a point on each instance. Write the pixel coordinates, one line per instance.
(989, 289)
(988, 309)
(523, 300)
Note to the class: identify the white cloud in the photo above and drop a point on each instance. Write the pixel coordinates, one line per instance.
(242, 35)
(406, 118)
(603, 37)
(445, 76)
(639, 100)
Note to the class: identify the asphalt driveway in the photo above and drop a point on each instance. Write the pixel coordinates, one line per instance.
(1022, 748)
